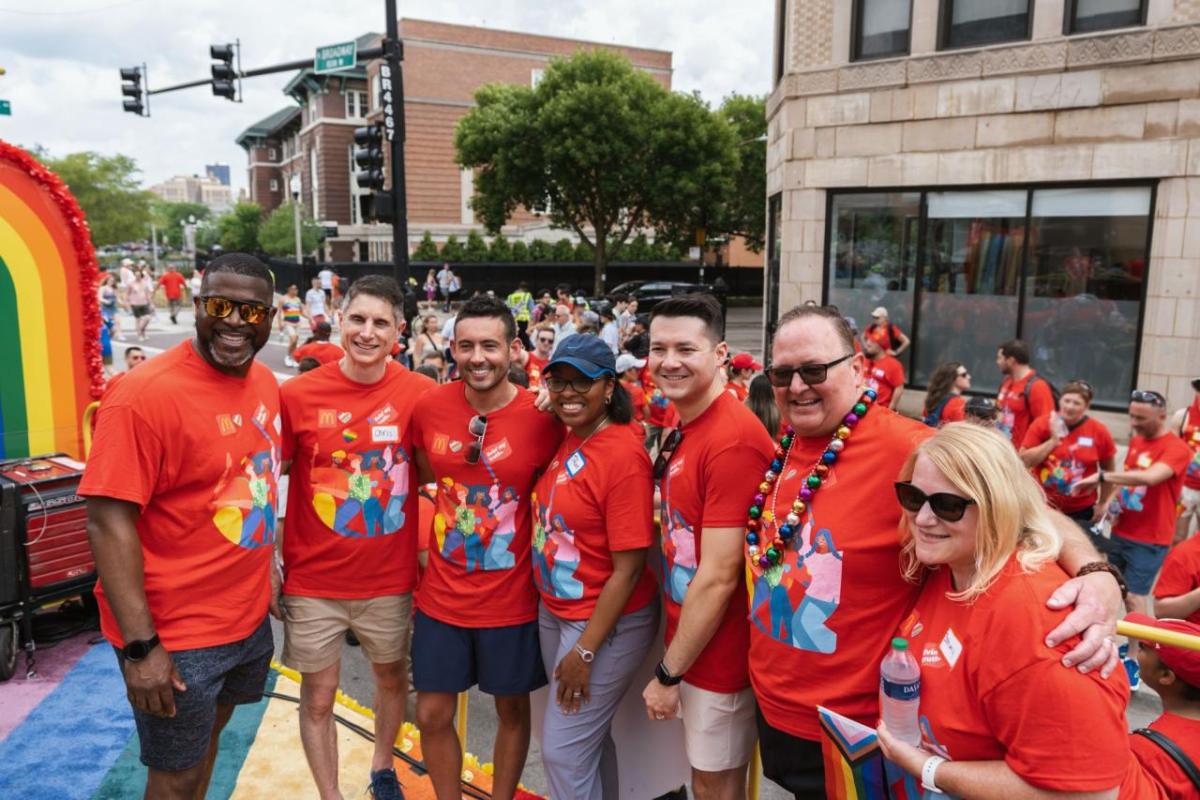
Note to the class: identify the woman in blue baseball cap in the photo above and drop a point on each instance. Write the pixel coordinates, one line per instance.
(593, 522)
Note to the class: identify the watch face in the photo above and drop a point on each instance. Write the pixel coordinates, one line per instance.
(136, 651)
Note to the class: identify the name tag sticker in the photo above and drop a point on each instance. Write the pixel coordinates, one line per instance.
(575, 463)
(1086, 441)
(951, 648)
(385, 433)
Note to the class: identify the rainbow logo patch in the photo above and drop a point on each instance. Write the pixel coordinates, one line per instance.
(349, 435)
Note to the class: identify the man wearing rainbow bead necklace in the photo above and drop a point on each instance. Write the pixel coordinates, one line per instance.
(822, 546)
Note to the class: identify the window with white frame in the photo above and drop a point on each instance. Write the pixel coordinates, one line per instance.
(535, 76)
(356, 104)
(271, 153)
(274, 184)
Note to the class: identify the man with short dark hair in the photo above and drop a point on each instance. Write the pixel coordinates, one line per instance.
(484, 442)
(172, 284)
(1024, 395)
(705, 470)
(319, 346)
(181, 488)
(884, 373)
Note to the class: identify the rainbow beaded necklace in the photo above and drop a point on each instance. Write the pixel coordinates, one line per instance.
(772, 553)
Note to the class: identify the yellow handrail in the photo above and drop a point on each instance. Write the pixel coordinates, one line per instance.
(88, 413)
(461, 722)
(1148, 633)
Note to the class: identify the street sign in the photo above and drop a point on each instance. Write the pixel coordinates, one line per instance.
(335, 57)
(5, 108)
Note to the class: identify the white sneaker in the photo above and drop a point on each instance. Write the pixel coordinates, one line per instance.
(288, 361)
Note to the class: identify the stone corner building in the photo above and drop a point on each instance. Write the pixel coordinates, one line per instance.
(987, 169)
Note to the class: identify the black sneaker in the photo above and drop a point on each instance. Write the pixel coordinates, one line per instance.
(385, 785)
(351, 639)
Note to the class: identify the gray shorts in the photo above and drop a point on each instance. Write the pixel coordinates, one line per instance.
(228, 674)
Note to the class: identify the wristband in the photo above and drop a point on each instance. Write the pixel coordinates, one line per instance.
(665, 677)
(1104, 566)
(928, 771)
(1100, 476)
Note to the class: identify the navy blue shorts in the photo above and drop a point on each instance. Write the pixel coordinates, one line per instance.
(1139, 562)
(228, 674)
(503, 661)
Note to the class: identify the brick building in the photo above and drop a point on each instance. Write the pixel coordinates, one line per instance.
(443, 66)
(995, 168)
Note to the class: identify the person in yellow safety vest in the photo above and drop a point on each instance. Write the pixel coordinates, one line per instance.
(520, 303)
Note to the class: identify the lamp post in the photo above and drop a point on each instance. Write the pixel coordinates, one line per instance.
(294, 185)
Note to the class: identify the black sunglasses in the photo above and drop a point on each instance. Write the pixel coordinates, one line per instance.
(811, 374)
(581, 385)
(477, 428)
(945, 506)
(963, 374)
(1151, 397)
(668, 448)
(221, 307)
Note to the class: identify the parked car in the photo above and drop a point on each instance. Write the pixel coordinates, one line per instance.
(651, 293)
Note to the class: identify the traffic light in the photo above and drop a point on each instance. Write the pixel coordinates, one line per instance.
(131, 89)
(369, 157)
(223, 73)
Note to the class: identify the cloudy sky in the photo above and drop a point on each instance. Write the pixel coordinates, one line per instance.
(62, 58)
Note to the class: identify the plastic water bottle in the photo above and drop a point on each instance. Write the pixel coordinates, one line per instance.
(900, 692)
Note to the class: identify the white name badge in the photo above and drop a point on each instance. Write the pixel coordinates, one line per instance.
(385, 433)
(1086, 441)
(951, 648)
(575, 463)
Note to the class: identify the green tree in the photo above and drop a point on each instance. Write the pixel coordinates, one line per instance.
(539, 250)
(500, 249)
(520, 251)
(427, 250)
(237, 231)
(277, 234)
(563, 250)
(171, 217)
(584, 252)
(745, 209)
(453, 250)
(602, 147)
(476, 249)
(108, 191)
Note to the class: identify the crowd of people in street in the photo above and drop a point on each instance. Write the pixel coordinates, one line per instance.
(517, 495)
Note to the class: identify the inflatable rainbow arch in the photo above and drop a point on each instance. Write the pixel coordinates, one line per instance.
(50, 365)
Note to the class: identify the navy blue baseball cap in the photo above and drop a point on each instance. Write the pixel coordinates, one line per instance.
(586, 353)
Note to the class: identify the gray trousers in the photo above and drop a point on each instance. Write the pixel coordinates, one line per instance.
(578, 750)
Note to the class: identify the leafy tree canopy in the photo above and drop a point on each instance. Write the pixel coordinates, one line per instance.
(237, 231)
(108, 191)
(277, 234)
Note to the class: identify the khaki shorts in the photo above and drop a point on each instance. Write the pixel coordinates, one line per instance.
(719, 730)
(315, 627)
(1189, 499)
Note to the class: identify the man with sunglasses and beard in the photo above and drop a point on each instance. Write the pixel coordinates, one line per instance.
(705, 470)
(822, 552)
(484, 442)
(181, 487)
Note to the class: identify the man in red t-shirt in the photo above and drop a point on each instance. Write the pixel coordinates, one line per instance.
(1147, 491)
(483, 441)
(1024, 395)
(181, 487)
(173, 283)
(705, 469)
(884, 374)
(821, 618)
(536, 360)
(1174, 673)
(349, 553)
(319, 347)
(1177, 591)
(1186, 423)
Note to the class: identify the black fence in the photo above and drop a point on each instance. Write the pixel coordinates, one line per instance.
(503, 277)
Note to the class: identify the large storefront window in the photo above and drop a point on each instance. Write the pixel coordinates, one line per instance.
(873, 255)
(971, 279)
(973, 23)
(1084, 292)
(1062, 268)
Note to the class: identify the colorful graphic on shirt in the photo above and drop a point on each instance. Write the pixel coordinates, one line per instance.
(361, 494)
(475, 525)
(1007, 418)
(555, 556)
(1059, 476)
(1193, 467)
(793, 600)
(679, 562)
(291, 310)
(1131, 498)
(245, 497)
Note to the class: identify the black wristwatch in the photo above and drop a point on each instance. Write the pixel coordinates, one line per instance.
(665, 677)
(139, 648)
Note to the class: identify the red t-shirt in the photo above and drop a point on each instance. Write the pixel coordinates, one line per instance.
(172, 283)
(1016, 415)
(533, 368)
(1191, 437)
(637, 397)
(992, 691)
(198, 451)
(711, 476)
(885, 376)
(1148, 513)
(351, 530)
(882, 335)
(592, 500)
(821, 624)
(954, 410)
(1161, 768)
(1180, 573)
(739, 391)
(324, 352)
(427, 507)
(1077, 456)
(478, 571)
